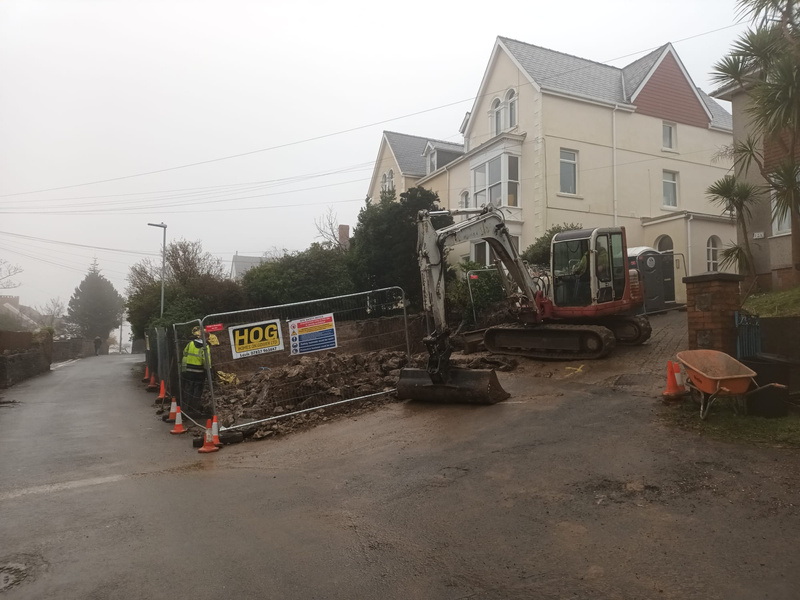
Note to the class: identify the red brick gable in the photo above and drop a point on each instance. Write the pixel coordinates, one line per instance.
(668, 95)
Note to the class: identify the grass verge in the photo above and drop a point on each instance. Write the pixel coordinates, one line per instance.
(775, 304)
(725, 425)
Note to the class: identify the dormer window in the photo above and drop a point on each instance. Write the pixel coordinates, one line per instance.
(432, 162)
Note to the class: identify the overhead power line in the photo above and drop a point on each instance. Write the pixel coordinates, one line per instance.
(337, 133)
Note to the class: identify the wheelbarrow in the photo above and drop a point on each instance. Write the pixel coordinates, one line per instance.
(712, 375)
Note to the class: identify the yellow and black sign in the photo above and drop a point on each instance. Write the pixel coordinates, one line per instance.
(256, 338)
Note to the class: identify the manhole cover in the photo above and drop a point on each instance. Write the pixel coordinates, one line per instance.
(17, 569)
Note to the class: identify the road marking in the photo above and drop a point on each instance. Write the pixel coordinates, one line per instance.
(60, 487)
(66, 363)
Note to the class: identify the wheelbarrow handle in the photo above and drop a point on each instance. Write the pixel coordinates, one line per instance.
(763, 387)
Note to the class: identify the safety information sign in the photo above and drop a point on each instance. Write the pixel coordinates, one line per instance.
(256, 338)
(313, 334)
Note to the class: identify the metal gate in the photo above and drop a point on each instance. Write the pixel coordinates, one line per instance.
(748, 335)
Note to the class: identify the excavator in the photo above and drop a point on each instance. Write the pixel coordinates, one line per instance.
(586, 306)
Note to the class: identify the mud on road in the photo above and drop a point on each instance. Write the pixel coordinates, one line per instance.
(572, 488)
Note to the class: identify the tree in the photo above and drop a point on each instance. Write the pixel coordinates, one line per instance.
(328, 230)
(738, 197)
(195, 285)
(96, 307)
(383, 251)
(7, 271)
(764, 63)
(317, 272)
(51, 313)
(538, 253)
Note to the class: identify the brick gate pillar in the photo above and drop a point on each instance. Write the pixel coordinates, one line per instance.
(711, 301)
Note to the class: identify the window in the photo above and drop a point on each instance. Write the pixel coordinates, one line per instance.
(668, 141)
(511, 102)
(497, 116)
(569, 172)
(670, 188)
(664, 244)
(496, 181)
(712, 253)
(383, 182)
(485, 256)
(464, 200)
(390, 180)
(780, 223)
(431, 162)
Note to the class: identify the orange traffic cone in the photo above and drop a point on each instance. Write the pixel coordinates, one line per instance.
(173, 410)
(163, 393)
(153, 386)
(178, 423)
(215, 432)
(208, 444)
(673, 391)
(146, 373)
(677, 367)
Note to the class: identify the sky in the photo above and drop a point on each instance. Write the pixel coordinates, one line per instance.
(104, 103)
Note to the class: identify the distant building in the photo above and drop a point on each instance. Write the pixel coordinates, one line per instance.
(242, 264)
(24, 315)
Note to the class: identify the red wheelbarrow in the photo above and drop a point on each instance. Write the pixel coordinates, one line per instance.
(714, 374)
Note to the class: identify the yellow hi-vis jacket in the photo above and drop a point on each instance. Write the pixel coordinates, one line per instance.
(195, 358)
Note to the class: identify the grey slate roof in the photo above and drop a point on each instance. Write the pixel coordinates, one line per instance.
(408, 151)
(559, 72)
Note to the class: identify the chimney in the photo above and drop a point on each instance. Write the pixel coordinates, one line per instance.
(344, 237)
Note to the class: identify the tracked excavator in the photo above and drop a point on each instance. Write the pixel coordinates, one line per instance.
(584, 308)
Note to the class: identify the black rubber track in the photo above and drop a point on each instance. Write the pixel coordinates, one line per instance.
(602, 336)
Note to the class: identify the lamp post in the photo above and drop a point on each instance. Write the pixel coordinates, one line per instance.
(163, 259)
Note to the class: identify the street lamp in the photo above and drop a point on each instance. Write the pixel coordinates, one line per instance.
(163, 259)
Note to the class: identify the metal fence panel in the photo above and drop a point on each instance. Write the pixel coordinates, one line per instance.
(293, 358)
(194, 392)
(748, 335)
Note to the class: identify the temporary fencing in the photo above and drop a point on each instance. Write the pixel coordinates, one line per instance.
(294, 358)
(189, 387)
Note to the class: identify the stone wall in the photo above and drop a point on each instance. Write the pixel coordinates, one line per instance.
(22, 365)
(711, 301)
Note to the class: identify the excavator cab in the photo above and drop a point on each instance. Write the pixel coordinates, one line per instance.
(588, 267)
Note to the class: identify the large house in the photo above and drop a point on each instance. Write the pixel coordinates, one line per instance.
(553, 138)
(771, 241)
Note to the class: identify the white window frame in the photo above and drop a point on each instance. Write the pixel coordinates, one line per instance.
(390, 181)
(561, 162)
(484, 166)
(673, 134)
(488, 262)
(513, 113)
(674, 182)
(497, 116)
(463, 201)
(713, 245)
(431, 162)
(383, 182)
(779, 226)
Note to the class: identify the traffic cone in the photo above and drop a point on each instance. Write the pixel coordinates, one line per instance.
(163, 393)
(146, 373)
(215, 432)
(678, 377)
(208, 444)
(173, 411)
(153, 386)
(673, 391)
(178, 423)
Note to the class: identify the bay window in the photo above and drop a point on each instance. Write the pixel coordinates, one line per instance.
(496, 181)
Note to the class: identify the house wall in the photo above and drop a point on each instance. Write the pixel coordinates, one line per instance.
(385, 162)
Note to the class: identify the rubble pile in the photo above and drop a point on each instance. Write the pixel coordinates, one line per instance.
(308, 382)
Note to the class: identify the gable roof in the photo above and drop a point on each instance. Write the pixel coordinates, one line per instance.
(567, 74)
(408, 151)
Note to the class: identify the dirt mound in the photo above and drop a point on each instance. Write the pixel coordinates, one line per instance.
(308, 382)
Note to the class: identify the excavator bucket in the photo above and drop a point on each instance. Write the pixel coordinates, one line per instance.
(461, 386)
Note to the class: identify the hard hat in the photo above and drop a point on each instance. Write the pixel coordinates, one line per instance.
(196, 332)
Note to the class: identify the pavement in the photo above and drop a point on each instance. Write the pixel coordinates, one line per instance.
(572, 488)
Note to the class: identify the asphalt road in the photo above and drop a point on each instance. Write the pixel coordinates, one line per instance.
(570, 489)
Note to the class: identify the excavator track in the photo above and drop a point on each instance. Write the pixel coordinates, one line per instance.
(630, 330)
(564, 342)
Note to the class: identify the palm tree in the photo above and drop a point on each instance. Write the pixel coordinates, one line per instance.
(738, 197)
(765, 63)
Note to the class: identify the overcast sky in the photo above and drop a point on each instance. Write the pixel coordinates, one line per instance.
(102, 89)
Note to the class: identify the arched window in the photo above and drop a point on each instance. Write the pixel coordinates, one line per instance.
(664, 244)
(712, 253)
(383, 182)
(511, 102)
(390, 181)
(464, 200)
(497, 116)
